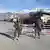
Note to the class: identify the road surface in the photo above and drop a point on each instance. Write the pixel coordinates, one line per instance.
(25, 42)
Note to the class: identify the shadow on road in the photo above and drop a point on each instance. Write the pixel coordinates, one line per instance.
(4, 34)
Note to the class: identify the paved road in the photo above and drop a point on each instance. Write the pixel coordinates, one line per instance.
(24, 43)
(6, 27)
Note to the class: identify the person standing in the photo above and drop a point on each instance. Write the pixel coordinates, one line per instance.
(17, 27)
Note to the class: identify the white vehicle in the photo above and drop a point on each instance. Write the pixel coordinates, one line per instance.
(45, 18)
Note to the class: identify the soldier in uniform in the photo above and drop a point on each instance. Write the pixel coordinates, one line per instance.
(38, 27)
(17, 27)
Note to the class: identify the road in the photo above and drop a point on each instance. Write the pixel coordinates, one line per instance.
(25, 42)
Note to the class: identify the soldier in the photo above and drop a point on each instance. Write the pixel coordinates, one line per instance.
(38, 27)
(17, 27)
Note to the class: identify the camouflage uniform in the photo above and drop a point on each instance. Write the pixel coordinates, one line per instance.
(38, 27)
(17, 27)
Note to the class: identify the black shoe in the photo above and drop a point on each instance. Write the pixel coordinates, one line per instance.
(16, 39)
(34, 37)
(13, 38)
(39, 37)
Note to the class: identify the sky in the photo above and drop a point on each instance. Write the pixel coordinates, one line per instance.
(17, 5)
